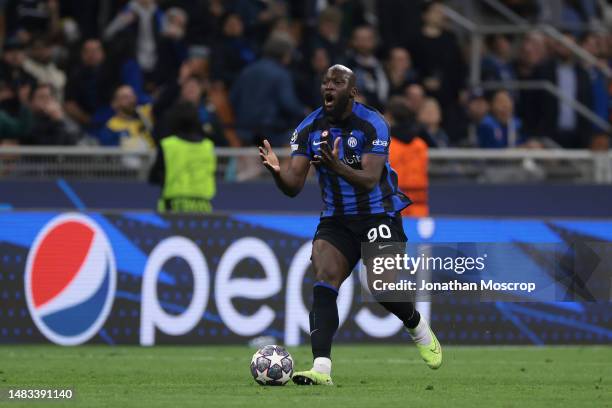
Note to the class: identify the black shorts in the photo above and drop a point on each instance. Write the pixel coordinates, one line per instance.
(347, 232)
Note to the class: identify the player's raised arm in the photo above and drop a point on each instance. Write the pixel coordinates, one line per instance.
(291, 179)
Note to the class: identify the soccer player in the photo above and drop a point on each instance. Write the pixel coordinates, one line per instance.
(348, 143)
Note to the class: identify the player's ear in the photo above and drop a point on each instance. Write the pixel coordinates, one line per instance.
(354, 92)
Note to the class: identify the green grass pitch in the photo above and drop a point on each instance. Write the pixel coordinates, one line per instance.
(365, 376)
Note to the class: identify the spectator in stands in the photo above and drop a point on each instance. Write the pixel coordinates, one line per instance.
(558, 119)
(430, 121)
(592, 43)
(11, 66)
(193, 91)
(437, 57)
(171, 47)
(415, 97)
(15, 117)
(371, 79)
(309, 81)
(264, 98)
(131, 125)
(232, 51)
(476, 110)
(41, 66)
(90, 85)
(408, 155)
(532, 54)
(496, 65)
(51, 125)
(185, 164)
(139, 24)
(198, 61)
(327, 35)
(216, 93)
(400, 71)
(500, 128)
(15, 89)
(169, 93)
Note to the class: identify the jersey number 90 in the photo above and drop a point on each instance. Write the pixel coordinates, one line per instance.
(382, 231)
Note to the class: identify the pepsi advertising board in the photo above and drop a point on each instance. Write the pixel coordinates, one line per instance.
(144, 278)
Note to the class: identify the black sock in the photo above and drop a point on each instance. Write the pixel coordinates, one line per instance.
(323, 319)
(405, 311)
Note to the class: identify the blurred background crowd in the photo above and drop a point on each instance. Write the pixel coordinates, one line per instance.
(116, 72)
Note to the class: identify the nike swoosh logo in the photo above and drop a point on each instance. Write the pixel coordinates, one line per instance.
(384, 246)
(313, 331)
(316, 143)
(436, 349)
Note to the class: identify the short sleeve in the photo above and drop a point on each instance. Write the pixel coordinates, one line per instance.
(299, 142)
(377, 138)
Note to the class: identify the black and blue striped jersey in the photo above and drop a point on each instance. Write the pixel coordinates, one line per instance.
(365, 131)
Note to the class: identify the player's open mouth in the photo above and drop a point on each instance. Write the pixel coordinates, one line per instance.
(329, 100)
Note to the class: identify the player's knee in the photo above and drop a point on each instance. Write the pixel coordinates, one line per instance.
(324, 274)
(328, 278)
(328, 264)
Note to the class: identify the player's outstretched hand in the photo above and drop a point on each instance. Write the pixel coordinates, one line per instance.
(328, 157)
(268, 157)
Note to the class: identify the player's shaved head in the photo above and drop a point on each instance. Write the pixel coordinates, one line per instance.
(342, 69)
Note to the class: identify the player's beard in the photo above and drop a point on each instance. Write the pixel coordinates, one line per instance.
(341, 103)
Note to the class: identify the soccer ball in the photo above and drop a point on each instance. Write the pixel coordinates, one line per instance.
(272, 365)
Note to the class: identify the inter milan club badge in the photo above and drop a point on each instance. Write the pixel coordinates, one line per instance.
(352, 142)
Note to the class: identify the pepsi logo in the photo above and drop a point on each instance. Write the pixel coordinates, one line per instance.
(70, 279)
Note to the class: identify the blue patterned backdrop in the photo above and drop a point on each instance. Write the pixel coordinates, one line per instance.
(133, 247)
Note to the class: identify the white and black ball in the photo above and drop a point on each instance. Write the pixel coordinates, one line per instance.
(272, 365)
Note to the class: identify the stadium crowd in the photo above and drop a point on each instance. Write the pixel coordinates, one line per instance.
(109, 73)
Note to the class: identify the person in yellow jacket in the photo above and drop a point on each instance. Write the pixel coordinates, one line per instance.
(185, 164)
(131, 125)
